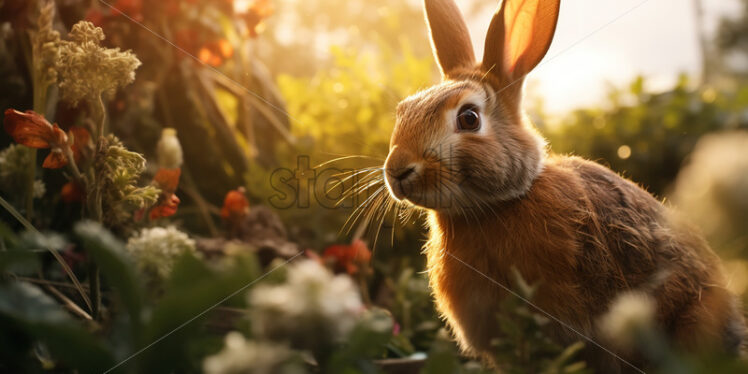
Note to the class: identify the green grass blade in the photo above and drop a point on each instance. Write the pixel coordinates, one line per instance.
(54, 252)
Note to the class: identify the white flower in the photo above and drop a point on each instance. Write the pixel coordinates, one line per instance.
(311, 308)
(248, 357)
(711, 190)
(87, 70)
(156, 249)
(630, 315)
(39, 189)
(168, 150)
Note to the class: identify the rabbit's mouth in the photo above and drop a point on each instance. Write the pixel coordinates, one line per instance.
(421, 186)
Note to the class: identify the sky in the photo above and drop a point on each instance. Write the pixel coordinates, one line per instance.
(603, 42)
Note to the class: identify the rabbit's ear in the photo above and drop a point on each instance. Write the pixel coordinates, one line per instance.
(450, 38)
(519, 36)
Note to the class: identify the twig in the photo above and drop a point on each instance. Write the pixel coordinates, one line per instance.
(69, 304)
(94, 285)
(203, 206)
(46, 282)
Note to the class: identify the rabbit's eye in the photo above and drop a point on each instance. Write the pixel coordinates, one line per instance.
(468, 118)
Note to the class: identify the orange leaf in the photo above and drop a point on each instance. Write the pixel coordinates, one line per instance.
(55, 160)
(33, 130)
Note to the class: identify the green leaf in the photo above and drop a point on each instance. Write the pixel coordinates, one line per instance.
(443, 357)
(193, 292)
(19, 262)
(54, 252)
(109, 254)
(7, 236)
(40, 317)
(187, 270)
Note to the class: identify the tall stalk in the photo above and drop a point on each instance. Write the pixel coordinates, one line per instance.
(43, 42)
(39, 87)
(95, 200)
(40, 106)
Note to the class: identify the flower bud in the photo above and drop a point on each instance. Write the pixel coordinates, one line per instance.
(168, 150)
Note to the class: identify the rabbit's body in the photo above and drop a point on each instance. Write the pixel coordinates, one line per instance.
(585, 235)
(463, 151)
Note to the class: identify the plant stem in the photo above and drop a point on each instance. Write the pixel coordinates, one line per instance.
(74, 167)
(95, 201)
(100, 110)
(95, 209)
(94, 285)
(40, 107)
(30, 178)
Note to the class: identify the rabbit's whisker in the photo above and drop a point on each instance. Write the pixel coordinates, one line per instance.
(348, 158)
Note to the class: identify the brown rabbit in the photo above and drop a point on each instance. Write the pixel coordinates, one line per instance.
(464, 151)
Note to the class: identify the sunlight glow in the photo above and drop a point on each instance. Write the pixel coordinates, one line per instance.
(241, 6)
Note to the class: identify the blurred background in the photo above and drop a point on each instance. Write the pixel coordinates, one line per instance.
(655, 89)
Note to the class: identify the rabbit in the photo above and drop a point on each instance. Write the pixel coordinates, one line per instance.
(496, 200)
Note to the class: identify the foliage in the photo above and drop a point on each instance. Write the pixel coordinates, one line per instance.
(733, 31)
(524, 347)
(348, 112)
(347, 109)
(119, 169)
(646, 135)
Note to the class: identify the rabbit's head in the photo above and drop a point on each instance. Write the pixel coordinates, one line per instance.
(465, 142)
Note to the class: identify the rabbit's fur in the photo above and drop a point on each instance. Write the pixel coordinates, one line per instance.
(497, 201)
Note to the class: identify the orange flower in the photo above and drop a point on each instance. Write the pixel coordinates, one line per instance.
(71, 193)
(80, 139)
(348, 258)
(33, 130)
(55, 160)
(235, 206)
(167, 208)
(167, 179)
(216, 52)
